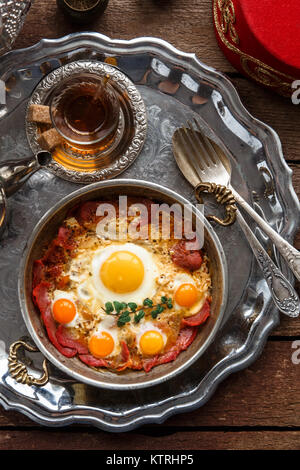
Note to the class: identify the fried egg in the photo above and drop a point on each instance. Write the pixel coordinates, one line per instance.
(186, 294)
(124, 272)
(103, 341)
(150, 339)
(64, 308)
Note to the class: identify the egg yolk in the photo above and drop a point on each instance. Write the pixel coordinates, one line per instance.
(64, 310)
(122, 272)
(186, 295)
(101, 345)
(151, 342)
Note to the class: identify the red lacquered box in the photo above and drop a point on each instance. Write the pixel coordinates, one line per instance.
(261, 38)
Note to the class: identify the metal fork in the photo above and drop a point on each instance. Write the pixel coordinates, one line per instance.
(215, 163)
(201, 160)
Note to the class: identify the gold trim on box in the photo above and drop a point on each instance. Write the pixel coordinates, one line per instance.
(261, 72)
(228, 19)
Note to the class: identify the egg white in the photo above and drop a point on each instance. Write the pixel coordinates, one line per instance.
(84, 292)
(77, 271)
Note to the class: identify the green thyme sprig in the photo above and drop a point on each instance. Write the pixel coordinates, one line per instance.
(124, 310)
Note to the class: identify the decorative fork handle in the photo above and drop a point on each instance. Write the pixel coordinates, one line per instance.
(283, 294)
(289, 253)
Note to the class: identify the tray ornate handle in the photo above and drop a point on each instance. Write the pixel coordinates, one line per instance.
(19, 371)
(224, 196)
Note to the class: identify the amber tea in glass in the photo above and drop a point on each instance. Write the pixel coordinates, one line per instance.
(85, 111)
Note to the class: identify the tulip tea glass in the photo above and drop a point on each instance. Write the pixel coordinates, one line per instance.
(85, 111)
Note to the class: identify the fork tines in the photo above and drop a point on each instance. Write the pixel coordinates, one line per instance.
(202, 153)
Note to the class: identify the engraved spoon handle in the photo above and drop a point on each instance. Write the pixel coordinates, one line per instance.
(283, 294)
(289, 253)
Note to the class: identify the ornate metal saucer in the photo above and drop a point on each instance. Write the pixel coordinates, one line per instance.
(89, 167)
(175, 87)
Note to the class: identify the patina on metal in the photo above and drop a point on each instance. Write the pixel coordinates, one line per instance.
(12, 17)
(14, 173)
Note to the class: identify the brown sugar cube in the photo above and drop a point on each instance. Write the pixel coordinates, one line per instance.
(50, 139)
(39, 113)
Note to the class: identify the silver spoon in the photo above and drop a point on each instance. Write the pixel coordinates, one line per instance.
(197, 167)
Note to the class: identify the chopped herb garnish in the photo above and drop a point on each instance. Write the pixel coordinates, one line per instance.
(124, 318)
(160, 308)
(109, 307)
(132, 306)
(125, 310)
(118, 306)
(148, 302)
(138, 316)
(154, 314)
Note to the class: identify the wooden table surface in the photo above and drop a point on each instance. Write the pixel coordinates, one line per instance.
(257, 408)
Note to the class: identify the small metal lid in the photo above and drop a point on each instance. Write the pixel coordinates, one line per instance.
(82, 11)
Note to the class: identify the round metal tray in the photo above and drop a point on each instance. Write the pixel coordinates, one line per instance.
(174, 86)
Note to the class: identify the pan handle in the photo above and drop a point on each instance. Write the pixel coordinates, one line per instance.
(223, 195)
(19, 371)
